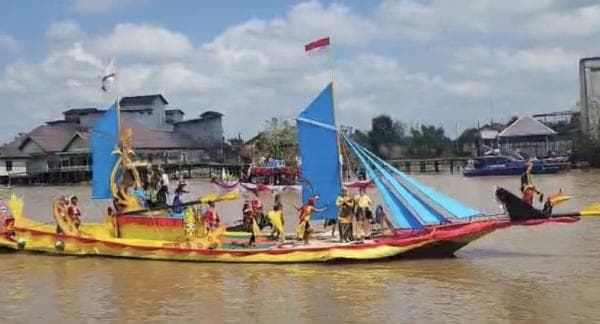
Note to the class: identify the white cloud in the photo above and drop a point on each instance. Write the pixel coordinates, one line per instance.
(100, 6)
(8, 43)
(440, 62)
(143, 42)
(581, 22)
(64, 31)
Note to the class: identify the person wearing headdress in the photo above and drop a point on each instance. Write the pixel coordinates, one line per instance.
(275, 216)
(177, 199)
(528, 189)
(345, 204)
(363, 214)
(6, 219)
(303, 229)
(211, 218)
(73, 212)
(250, 224)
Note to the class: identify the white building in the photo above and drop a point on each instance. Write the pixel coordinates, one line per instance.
(589, 82)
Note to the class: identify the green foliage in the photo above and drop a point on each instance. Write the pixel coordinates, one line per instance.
(428, 141)
(469, 135)
(278, 140)
(587, 149)
(384, 134)
(384, 130)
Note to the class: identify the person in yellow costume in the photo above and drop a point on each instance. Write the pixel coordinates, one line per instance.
(345, 204)
(276, 218)
(363, 214)
(190, 223)
(303, 229)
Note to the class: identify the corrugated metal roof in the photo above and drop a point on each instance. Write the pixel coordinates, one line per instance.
(527, 126)
(51, 138)
(11, 149)
(146, 138)
(171, 111)
(141, 100)
(81, 111)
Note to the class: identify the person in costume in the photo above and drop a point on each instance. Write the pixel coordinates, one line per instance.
(345, 204)
(363, 214)
(528, 189)
(303, 230)
(211, 218)
(73, 212)
(275, 216)
(250, 224)
(7, 221)
(178, 199)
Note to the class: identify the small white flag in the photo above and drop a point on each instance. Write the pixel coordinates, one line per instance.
(109, 74)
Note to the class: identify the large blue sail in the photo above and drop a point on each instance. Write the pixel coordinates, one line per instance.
(104, 139)
(318, 144)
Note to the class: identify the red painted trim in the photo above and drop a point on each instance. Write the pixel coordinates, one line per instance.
(466, 230)
(150, 221)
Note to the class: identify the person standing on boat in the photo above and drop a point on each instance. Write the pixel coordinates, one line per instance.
(363, 214)
(528, 190)
(6, 219)
(277, 202)
(73, 212)
(303, 230)
(178, 200)
(211, 218)
(275, 216)
(164, 184)
(250, 224)
(345, 204)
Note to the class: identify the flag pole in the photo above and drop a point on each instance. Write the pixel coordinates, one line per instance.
(117, 100)
(337, 131)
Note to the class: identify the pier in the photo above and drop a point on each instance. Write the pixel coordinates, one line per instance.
(431, 165)
(72, 175)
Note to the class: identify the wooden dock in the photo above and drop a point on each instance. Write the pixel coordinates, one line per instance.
(207, 170)
(431, 165)
(74, 175)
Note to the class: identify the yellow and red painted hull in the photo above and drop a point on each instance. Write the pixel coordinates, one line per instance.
(416, 244)
(436, 241)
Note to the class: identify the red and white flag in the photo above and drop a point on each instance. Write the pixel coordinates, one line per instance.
(316, 45)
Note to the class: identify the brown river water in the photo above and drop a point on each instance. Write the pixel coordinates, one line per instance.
(521, 274)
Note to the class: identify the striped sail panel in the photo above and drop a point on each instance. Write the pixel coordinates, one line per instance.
(318, 145)
(455, 208)
(427, 214)
(400, 216)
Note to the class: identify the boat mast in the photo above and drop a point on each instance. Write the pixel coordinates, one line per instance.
(337, 131)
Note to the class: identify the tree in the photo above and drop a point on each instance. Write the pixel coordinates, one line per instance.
(278, 140)
(428, 141)
(385, 133)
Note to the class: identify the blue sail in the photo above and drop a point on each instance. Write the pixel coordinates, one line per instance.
(318, 144)
(454, 207)
(104, 139)
(400, 215)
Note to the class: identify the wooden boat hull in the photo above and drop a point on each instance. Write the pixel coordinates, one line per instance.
(434, 242)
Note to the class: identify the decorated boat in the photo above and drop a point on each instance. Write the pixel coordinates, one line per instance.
(420, 221)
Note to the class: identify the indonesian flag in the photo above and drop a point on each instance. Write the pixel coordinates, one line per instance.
(318, 44)
(109, 74)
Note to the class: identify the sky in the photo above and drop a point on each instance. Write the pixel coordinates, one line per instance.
(450, 63)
